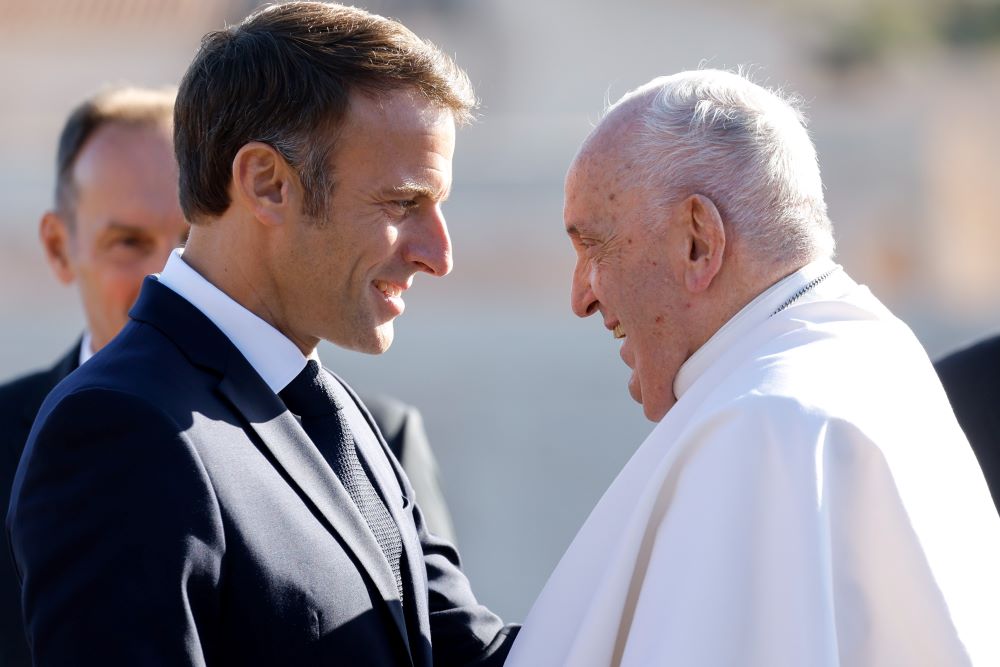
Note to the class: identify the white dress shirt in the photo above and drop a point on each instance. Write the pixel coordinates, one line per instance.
(275, 358)
(86, 348)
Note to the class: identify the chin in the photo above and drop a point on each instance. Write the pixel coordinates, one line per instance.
(381, 340)
(653, 407)
(657, 409)
(654, 414)
(369, 340)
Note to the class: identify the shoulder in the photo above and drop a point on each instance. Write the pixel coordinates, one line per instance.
(754, 413)
(399, 423)
(977, 364)
(840, 367)
(28, 391)
(104, 440)
(389, 413)
(17, 395)
(786, 419)
(143, 364)
(859, 402)
(98, 422)
(761, 446)
(17, 386)
(971, 379)
(21, 398)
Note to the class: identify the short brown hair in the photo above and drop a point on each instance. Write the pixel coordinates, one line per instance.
(122, 105)
(283, 77)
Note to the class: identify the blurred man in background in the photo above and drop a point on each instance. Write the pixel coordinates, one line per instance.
(807, 497)
(115, 221)
(972, 379)
(204, 491)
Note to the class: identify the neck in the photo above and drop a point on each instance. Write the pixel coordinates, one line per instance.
(239, 266)
(740, 281)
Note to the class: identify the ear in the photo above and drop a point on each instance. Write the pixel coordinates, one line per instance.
(263, 183)
(56, 237)
(706, 239)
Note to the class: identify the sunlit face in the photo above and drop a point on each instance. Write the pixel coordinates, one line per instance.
(126, 219)
(626, 269)
(343, 278)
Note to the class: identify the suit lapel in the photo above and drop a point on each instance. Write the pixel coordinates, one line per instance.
(292, 449)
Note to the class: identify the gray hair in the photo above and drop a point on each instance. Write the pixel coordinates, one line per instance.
(746, 148)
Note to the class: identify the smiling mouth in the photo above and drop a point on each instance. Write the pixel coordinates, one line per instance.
(618, 331)
(388, 289)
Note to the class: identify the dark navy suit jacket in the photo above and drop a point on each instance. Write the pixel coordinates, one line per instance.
(169, 510)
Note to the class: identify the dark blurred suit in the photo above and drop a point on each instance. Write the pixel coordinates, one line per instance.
(972, 379)
(401, 426)
(19, 403)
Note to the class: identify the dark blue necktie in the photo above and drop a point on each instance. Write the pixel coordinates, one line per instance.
(311, 396)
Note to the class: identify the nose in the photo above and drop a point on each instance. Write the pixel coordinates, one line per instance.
(582, 298)
(430, 247)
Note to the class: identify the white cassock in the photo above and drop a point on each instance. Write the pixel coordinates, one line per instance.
(809, 501)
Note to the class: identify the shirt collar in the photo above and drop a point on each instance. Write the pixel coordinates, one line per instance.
(751, 315)
(275, 358)
(86, 347)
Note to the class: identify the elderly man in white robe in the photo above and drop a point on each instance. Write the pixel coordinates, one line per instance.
(806, 498)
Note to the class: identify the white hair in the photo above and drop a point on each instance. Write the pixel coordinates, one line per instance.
(718, 134)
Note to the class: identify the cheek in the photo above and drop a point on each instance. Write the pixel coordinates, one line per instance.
(119, 284)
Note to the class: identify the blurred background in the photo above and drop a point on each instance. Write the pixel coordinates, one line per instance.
(526, 406)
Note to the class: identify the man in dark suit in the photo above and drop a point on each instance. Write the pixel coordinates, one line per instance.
(971, 377)
(400, 424)
(202, 491)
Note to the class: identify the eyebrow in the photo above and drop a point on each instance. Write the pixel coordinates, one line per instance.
(412, 189)
(572, 230)
(115, 226)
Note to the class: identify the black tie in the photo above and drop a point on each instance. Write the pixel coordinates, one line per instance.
(311, 396)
